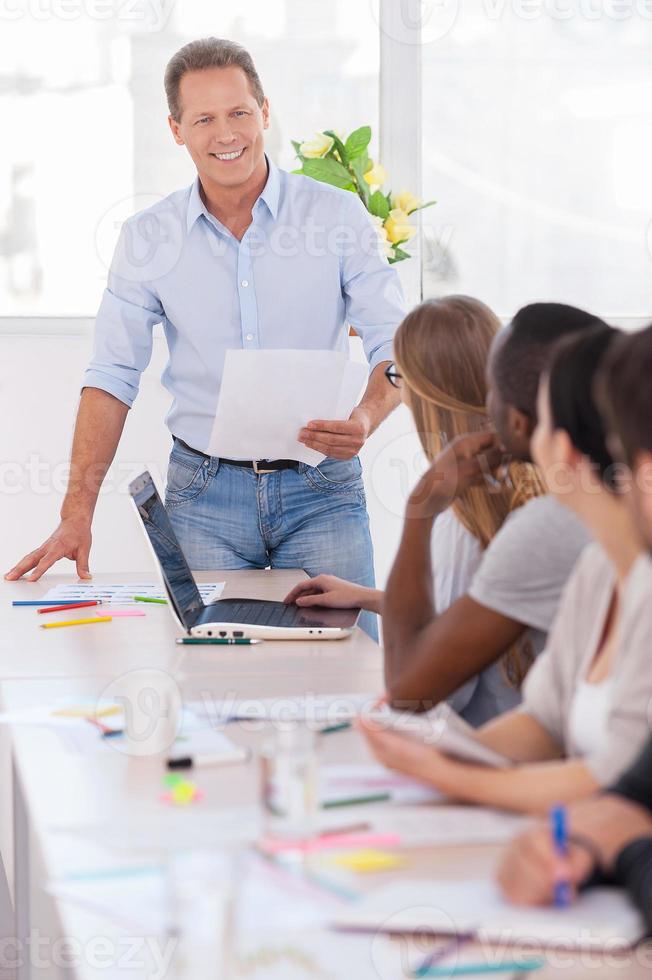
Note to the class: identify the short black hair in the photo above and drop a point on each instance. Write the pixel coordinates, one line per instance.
(572, 374)
(624, 392)
(525, 352)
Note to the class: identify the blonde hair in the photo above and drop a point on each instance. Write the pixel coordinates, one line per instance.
(441, 351)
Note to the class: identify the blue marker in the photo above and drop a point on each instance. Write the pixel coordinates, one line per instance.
(559, 831)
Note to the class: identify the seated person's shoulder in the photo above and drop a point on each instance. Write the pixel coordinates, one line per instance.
(527, 564)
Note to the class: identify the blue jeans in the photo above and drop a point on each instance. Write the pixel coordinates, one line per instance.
(313, 518)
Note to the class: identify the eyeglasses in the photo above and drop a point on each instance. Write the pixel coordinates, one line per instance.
(393, 376)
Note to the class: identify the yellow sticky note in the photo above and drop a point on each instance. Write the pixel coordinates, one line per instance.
(366, 861)
(183, 793)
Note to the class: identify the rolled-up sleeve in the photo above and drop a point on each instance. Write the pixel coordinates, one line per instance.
(371, 287)
(128, 312)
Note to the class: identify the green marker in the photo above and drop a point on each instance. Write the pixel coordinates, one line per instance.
(145, 598)
(354, 800)
(342, 726)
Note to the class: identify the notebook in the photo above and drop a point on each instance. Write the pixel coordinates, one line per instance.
(600, 918)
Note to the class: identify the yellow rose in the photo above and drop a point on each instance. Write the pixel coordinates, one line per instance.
(386, 245)
(377, 176)
(398, 226)
(317, 147)
(405, 201)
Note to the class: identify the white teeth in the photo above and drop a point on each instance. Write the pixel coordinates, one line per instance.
(229, 156)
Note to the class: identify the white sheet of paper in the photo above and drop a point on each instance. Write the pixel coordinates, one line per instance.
(341, 781)
(600, 917)
(271, 901)
(323, 709)
(433, 826)
(267, 396)
(123, 594)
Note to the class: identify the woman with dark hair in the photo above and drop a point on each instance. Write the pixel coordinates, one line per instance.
(584, 712)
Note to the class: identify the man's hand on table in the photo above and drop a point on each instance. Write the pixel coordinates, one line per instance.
(72, 539)
(339, 440)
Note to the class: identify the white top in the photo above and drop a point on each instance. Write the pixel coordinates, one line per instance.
(587, 726)
(550, 689)
(456, 557)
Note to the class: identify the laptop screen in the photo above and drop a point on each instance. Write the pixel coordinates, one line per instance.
(181, 586)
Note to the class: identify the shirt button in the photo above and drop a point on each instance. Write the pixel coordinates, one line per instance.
(245, 282)
(250, 336)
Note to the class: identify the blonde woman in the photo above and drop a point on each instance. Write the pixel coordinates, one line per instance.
(441, 351)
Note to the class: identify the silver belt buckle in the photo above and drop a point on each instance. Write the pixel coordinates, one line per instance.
(258, 469)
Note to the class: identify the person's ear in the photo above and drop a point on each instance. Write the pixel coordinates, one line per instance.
(176, 131)
(520, 425)
(643, 476)
(564, 450)
(265, 111)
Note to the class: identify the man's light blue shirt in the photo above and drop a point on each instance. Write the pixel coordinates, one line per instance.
(308, 266)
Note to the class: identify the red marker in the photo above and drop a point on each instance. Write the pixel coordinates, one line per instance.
(70, 605)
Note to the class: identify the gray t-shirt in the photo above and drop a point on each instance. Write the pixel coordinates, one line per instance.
(522, 575)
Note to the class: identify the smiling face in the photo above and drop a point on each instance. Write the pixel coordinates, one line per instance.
(222, 126)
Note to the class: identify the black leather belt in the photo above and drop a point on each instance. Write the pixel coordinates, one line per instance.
(257, 465)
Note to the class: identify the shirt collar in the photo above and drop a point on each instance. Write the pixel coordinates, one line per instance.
(270, 195)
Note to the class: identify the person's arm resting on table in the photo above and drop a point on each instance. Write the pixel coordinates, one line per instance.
(374, 307)
(123, 346)
(429, 656)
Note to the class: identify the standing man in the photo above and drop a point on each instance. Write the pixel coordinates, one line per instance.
(248, 257)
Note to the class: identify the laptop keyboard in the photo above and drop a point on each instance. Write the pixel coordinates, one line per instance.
(252, 612)
(265, 615)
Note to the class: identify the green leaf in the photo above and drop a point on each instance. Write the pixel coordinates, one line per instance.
(357, 142)
(338, 145)
(399, 254)
(329, 171)
(378, 205)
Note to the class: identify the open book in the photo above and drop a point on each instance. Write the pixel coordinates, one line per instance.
(444, 729)
(600, 918)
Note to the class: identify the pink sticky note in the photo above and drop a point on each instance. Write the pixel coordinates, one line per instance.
(273, 845)
(125, 612)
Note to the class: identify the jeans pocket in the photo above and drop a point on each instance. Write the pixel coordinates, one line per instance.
(336, 476)
(187, 476)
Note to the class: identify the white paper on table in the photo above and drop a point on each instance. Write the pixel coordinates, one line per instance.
(343, 781)
(267, 396)
(434, 826)
(321, 709)
(601, 917)
(270, 901)
(123, 593)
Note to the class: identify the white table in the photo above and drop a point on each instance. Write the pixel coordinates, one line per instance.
(66, 803)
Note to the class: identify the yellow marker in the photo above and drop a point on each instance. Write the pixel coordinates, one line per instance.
(367, 861)
(88, 712)
(76, 622)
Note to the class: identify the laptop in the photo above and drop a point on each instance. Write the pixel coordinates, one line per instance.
(227, 618)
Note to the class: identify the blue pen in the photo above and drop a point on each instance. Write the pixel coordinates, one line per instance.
(559, 831)
(46, 602)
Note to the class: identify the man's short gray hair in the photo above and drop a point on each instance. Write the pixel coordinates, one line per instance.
(209, 52)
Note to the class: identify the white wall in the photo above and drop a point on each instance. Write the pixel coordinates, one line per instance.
(40, 378)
